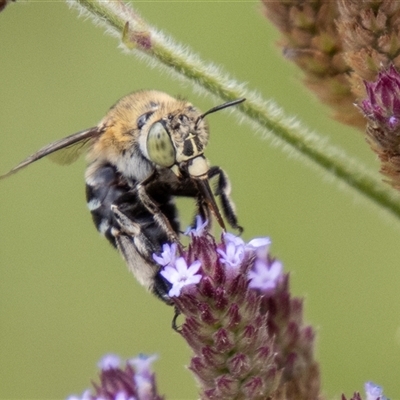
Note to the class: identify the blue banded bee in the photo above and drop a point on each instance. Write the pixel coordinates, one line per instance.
(148, 149)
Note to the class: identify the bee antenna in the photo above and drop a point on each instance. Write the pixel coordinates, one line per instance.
(220, 107)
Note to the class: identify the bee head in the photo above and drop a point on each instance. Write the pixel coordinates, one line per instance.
(178, 139)
(168, 132)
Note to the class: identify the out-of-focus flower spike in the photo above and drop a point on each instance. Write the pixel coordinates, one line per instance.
(382, 110)
(310, 40)
(373, 391)
(356, 396)
(369, 33)
(135, 381)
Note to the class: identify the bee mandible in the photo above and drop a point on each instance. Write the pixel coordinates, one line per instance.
(148, 149)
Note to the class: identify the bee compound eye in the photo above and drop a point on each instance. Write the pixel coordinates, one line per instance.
(159, 146)
(141, 121)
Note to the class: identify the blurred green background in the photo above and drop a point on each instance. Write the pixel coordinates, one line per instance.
(66, 297)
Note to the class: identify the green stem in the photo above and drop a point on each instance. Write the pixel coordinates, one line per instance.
(122, 21)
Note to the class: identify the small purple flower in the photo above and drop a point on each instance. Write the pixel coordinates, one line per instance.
(373, 392)
(233, 255)
(85, 396)
(383, 102)
(260, 246)
(121, 396)
(181, 275)
(168, 255)
(230, 238)
(109, 361)
(199, 229)
(265, 276)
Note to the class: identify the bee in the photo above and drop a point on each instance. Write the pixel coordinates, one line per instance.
(148, 149)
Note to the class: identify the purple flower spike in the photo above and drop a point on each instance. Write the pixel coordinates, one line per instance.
(244, 328)
(373, 392)
(181, 275)
(168, 255)
(265, 277)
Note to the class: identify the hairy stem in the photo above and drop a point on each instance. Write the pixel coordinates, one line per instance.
(122, 21)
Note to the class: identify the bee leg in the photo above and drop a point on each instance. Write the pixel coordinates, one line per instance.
(152, 207)
(203, 211)
(223, 191)
(137, 250)
(131, 228)
(174, 324)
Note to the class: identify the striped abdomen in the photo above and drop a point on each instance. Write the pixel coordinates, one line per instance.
(105, 186)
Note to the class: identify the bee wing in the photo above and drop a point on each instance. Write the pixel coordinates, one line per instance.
(69, 147)
(71, 153)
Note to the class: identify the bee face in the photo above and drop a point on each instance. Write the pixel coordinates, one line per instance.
(164, 130)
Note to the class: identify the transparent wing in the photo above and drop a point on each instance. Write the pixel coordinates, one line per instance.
(71, 153)
(65, 146)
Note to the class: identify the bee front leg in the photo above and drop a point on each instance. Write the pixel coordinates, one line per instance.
(224, 191)
(203, 211)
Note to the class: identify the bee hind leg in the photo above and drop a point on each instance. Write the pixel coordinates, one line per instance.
(137, 250)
